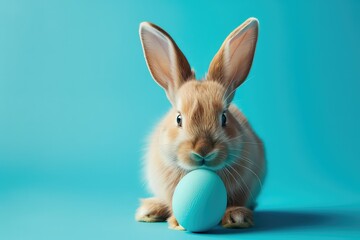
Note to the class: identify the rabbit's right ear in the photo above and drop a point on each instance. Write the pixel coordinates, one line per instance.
(232, 63)
(167, 64)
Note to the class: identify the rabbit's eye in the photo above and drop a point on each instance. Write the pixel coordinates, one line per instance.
(179, 120)
(223, 120)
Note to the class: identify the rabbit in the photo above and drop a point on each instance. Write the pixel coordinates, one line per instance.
(203, 129)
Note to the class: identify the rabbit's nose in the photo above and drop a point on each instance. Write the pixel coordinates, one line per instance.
(197, 157)
(202, 159)
(203, 147)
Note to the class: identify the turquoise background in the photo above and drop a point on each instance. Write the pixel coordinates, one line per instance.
(77, 100)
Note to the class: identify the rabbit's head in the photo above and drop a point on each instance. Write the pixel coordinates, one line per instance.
(200, 131)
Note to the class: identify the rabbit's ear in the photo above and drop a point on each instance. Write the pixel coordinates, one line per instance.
(167, 64)
(232, 62)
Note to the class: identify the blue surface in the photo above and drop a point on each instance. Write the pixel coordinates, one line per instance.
(76, 102)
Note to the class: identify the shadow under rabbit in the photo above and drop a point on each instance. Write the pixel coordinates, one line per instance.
(272, 220)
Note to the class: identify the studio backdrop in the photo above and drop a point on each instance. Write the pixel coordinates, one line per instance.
(77, 104)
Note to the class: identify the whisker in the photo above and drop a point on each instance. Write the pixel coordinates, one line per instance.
(241, 188)
(230, 139)
(245, 159)
(242, 156)
(222, 173)
(240, 165)
(242, 181)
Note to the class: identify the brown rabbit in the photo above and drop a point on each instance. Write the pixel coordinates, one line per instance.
(203, 129)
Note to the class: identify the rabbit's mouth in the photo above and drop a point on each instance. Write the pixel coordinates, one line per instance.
(210, 160)
(190, 159)
(204, 159)
(203, 164)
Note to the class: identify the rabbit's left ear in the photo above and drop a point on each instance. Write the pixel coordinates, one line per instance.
(232, 63)
(167, 64)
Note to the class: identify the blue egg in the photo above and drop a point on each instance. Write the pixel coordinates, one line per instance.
(199, 200)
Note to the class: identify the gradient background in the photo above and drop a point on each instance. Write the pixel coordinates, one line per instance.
(77, 100)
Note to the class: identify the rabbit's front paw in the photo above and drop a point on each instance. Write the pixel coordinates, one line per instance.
(152, 210)
(237, 217)
(173, 224)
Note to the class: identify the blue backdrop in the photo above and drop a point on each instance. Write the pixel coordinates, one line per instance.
(77, 101)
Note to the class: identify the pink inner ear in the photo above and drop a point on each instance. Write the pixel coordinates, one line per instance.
(232, 63)
(166, 62)
(159, 55)
(238, 53)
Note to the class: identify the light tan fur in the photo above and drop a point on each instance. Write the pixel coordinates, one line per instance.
(234, 151)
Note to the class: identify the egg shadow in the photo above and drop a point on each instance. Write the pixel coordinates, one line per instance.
(271, 220)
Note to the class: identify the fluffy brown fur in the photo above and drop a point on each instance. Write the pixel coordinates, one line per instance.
(202, 140)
